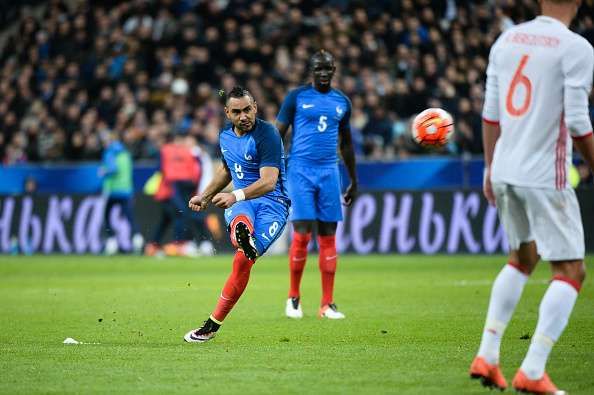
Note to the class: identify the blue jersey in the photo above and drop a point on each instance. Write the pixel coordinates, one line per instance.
(316, 118)
(245, 155)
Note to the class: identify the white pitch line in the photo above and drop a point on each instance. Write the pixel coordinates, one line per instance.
(472, 283)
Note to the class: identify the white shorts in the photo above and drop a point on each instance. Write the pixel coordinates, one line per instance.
(549, 217)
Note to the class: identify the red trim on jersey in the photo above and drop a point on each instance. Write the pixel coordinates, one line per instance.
(583, 136)
(570, 281)
(490, 122)
(560, 154)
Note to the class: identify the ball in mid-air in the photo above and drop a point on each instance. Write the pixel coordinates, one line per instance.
(433, 127)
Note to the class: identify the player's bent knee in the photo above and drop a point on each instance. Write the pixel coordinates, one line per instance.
(301, 240)
(327, 228)
(580, 272)
(574, 271)
(328, 268)
(303, 227)
(525, 268)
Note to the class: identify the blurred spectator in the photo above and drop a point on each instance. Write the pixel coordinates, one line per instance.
(116, 171)
(143, 68)
(184, 166)
(30, 185)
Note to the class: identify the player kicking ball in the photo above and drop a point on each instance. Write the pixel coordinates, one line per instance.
(536, 104)
(319, 116)
(256, 210)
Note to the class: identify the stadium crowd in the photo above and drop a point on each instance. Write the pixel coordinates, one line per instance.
(148, 69)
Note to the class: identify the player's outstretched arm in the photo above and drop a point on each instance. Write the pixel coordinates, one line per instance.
(265, 184)
(221, 179)
(348, 156)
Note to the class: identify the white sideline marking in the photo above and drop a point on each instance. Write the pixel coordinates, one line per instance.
(471, 283)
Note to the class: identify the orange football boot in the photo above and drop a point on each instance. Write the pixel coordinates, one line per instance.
(542, 386)
(151, 249)
(172, 249)
(490, 375)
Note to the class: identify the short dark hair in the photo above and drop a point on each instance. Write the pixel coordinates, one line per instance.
(237, 92)
(321, 55)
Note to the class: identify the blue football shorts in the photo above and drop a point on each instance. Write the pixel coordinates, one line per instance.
(315, 193)
(268, 217)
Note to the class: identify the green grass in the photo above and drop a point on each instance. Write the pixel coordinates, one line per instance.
(413, 325)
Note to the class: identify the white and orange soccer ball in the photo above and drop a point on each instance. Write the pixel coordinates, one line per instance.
(432, 127)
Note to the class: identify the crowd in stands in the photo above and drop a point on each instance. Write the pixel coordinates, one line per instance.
(148, 69)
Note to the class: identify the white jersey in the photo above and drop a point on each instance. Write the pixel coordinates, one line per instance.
(538, 81)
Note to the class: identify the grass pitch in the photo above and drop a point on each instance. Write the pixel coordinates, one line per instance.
(413, 325)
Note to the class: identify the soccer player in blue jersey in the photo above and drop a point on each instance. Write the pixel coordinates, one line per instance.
(319, 116)
(256, 210)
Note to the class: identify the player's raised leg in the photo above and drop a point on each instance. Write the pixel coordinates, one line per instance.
(553, 316)
(241, 230)
(232, 291)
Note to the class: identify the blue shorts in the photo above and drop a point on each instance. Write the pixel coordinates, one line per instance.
(269, 218)
(314, 193)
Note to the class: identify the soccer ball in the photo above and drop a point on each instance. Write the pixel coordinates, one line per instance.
(432, 127)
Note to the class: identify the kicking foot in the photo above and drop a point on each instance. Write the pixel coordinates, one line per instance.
(245, 240)
(293, 308)
(490, 375)
(207, 331)
(331, 312)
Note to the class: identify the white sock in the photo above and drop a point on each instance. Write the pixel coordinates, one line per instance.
(553, 315)
(506, 292)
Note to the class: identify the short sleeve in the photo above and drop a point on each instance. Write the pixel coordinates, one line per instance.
(287, 110)
(345, 122)
(270, 147)
(578, 65)
(491, 104)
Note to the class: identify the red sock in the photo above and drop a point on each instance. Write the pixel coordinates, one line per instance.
(297, 258)
(234, 286)
(327, 262)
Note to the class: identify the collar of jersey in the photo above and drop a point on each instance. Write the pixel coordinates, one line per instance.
(318, 92)
(545, 18)
(245, 134)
